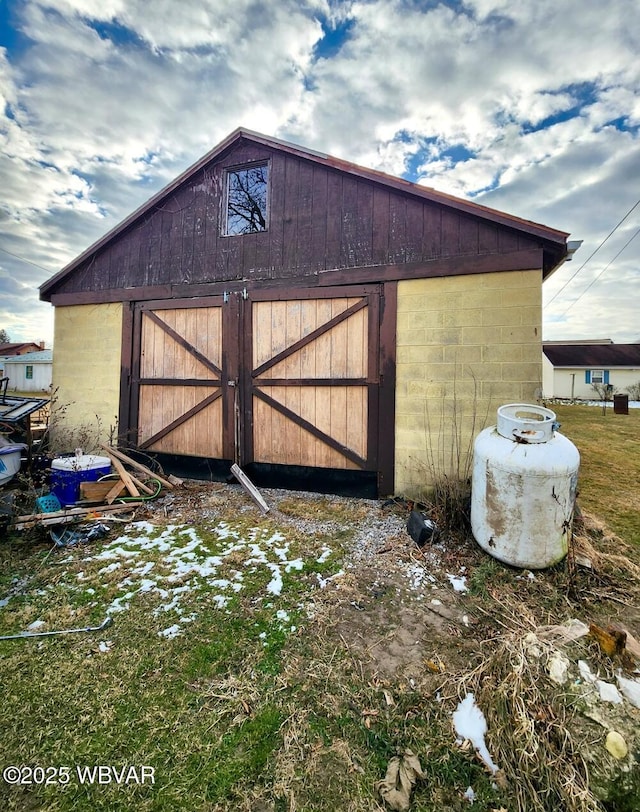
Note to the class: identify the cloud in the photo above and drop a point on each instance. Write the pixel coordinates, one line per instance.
(13, 296)
(529, 107)
(463, 79)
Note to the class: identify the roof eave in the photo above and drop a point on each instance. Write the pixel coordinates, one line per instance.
(554, 241)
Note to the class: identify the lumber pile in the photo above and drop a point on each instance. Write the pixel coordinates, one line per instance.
(69, 515)
(129, 481)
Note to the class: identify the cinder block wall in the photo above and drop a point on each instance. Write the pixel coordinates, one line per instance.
(465, 345)
(86, 375)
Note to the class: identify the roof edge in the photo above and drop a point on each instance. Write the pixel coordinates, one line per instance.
(553, 237)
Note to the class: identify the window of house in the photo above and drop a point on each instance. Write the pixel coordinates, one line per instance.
(596, 376)
(247, 210)
(29, 372)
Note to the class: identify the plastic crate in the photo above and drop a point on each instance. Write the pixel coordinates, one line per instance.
(49, 503)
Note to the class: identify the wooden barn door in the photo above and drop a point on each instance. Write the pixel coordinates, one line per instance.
(281, 378)
(310, 389)
(179, 381)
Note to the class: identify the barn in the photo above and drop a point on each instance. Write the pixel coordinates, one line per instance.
(324, 325)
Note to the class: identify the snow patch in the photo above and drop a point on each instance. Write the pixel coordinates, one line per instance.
(35, 625)
(469, 723)
(171, 632)
(630, 689)
(608, 692)
(324, 555)
(458, 582)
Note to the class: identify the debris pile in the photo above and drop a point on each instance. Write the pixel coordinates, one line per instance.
(131, 484)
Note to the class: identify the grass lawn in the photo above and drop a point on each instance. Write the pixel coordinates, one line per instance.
(262, 664)
(609, 481)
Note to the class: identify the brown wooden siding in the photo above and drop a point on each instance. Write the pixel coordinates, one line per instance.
(319, 219)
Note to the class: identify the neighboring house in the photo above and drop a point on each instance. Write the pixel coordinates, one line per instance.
(11, 350)
(571, 369)
(322, 324)
(30, 372)
(8, 350)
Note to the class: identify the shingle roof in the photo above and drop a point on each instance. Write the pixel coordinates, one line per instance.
(602, 356)
(42, 356)
(14, 348)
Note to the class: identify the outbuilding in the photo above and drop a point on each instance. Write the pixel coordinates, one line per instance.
(324, 325)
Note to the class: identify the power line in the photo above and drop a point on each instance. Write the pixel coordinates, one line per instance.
(28, 261)
(558, 292)
(593, 281)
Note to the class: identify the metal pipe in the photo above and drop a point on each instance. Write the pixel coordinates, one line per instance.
(104, 625)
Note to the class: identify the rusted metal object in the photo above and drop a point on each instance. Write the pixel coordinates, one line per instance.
(524, 487)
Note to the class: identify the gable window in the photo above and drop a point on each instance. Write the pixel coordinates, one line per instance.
(29, 372)
(247, 200)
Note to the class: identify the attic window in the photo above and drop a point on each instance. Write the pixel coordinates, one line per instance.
(247, 200)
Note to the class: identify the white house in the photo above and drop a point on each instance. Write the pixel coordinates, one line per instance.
(30, 372)
(570, 370)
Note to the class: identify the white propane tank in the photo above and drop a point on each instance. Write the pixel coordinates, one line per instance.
(523, 487)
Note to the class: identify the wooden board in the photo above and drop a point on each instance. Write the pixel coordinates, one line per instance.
(96, 491)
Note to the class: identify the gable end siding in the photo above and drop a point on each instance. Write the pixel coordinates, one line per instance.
(320, 219)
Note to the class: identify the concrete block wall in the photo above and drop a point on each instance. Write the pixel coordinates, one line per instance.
(465, 345)
(86, 375)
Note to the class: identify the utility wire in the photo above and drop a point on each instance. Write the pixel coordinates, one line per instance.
(593, 281)
(28, 261)
(558, 292)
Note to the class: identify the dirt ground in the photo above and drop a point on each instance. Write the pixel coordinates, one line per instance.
(396, 604)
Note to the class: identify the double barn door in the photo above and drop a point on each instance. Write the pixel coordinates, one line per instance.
(264, 377)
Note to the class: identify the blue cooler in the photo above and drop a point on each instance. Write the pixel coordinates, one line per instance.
(68, 472)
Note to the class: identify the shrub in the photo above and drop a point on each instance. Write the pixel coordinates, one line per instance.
(634, 391)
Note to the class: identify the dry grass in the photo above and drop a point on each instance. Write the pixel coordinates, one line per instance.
(609, 567)
(529, 728)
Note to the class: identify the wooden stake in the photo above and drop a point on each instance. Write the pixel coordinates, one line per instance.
(124, 475)
(114, 492)
(140, 467)
(249, 487)
(141, 486)
(70, 515)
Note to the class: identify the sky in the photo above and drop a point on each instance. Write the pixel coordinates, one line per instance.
(532, 108)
